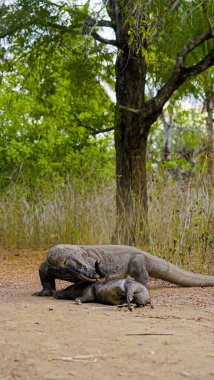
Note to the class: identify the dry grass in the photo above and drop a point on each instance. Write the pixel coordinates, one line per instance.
(66, 215)
(180, 220)
(181, 223)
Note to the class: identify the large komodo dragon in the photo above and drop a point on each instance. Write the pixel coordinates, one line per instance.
(89, 263)
(111, 292)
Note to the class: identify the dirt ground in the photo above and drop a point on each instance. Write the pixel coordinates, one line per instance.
(48, 339)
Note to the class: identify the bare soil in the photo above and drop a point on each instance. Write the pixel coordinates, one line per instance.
(48, 339)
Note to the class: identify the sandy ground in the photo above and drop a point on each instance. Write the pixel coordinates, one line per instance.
(44, 338)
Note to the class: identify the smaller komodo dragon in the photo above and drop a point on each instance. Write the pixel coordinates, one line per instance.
(89, 263)
(111, 292)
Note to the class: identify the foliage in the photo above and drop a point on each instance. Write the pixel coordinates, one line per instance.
(54, 114)
(62, 68)
(188, 140)
(183, 25)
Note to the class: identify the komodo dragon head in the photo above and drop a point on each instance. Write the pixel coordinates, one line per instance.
(84, 268)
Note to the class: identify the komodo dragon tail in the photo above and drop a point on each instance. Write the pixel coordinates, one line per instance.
(164, 270)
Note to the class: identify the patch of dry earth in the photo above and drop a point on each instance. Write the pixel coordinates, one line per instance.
(44, 338)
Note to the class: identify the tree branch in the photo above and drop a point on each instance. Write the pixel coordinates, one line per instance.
(60, 27)
(93, 131)
(181, 56)
(97, 37)
(199, 67)
(96, 132)
(89, 21)
(56, 26)
(180, 73)
(52, 25)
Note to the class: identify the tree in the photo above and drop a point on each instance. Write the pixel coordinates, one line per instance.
(137, 114)
(48, 130)
(144, 32)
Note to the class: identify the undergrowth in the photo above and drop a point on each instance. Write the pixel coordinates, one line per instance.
(180, 219)
(181, 222)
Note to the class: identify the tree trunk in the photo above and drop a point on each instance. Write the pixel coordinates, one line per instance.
(131, 130)
(131, 133)
(131, 195)
(167, 144)
(209, 108)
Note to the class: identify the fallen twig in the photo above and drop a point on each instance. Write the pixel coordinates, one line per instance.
(100, 307)
(145, 334)
(83, 358)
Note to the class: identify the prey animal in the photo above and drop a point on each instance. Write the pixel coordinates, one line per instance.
(110, 292)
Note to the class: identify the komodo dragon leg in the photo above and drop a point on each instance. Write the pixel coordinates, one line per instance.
(137, 269)
(47, 281)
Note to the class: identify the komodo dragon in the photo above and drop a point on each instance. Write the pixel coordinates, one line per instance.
(89, 263)
(111, 292)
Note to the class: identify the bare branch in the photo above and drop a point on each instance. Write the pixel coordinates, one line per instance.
(97, 37)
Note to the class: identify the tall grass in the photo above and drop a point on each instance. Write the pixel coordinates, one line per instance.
(181, 222)
(180, 219)
(64, 215)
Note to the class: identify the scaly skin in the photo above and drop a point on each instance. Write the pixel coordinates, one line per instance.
(90, 263)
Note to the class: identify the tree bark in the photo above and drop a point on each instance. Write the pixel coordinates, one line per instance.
(209, 102)
(167, 143)
(131, 194)
(131, 132)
